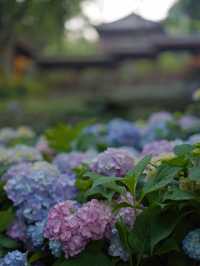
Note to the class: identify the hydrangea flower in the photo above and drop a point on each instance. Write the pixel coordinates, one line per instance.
(191, 244)
(156, 127)
(37, 188)
(157, 148)
(14, 258)
(9, 135)
(194, 139)
(43, 147)
(66, 162)
(18, 154)
(17, 230)
(123, 133)
(113, 162)
(115, 248)
(75, 226)
(189, 122)
(158, 117)
(55, 247)
(35, 234)
(127, 214)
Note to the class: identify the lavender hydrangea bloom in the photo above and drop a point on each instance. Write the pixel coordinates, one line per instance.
(194, 139)
(157, 148)
(158, 117)
(123, 133)
(189, 122)
(191, 244)
(75, 226)
(37, 188)
(14, 258)
(66, 162)
(35, 234)
(113, 162)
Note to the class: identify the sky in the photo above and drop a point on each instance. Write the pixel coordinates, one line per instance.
(110, 10)
(102, 11)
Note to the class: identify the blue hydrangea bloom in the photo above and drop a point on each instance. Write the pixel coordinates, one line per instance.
(123, 133)
(14, 258)
(191, 244)
(35, 234)
(36, 188)
(157, 126)
(116, 249)
(194, 139)
(56, 248)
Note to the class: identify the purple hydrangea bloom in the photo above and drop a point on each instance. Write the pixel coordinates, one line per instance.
(157, 148)
(189, 122)
(113, 162)
(75, 226)
(158, 117)
(123, 133)
(14, 258)
(66, 162)
(191, 244)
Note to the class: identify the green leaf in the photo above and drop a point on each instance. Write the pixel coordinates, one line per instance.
(177, 195)
(140, 166)
(165, 176)
(88, 258)
(167, 246)
(36, 256)
(194, 174)
(151, 227)
(62, 136)
(183, 150)
(6, 242)
(133, 176)
(6, 218)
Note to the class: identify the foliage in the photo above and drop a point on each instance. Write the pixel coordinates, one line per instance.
(29, 19)
(184, 16)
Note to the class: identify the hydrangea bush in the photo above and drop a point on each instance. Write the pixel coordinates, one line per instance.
(108, 194)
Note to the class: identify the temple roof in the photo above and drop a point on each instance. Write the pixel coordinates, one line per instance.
(132, 22)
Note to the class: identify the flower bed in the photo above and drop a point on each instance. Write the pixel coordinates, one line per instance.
(116, 193)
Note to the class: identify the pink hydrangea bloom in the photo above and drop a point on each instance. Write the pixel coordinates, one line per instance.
(75, 227)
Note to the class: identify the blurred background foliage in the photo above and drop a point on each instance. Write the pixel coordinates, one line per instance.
(29, 96)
